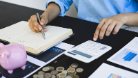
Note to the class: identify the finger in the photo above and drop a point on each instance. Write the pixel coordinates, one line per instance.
(117, 27)
(103, 28)
(35, 23)
(110, 28)
(98, 29)
(31, 27)
(43, 21)
(45, 29)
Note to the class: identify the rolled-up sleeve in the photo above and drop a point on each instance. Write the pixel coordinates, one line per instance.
(63, 4)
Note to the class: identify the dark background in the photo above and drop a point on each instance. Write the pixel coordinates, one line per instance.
(83, 31)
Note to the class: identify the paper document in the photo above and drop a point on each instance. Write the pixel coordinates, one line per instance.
(127, 56)
(108, 71)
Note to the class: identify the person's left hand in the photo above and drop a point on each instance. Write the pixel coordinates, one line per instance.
(108, 25)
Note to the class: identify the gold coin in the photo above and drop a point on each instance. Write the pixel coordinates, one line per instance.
(60, 69)
(62, 74)
(75, 76)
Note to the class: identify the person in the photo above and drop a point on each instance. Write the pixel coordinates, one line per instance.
(110, 14)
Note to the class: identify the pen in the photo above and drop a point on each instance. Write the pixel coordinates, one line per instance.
(38, 19)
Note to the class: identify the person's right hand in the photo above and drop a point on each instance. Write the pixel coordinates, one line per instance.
(35, 26)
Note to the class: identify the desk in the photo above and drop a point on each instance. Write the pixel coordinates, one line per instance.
(84, 30)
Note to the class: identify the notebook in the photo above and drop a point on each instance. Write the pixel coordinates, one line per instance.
(34, 42)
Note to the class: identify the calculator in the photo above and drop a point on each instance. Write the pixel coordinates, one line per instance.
(88, 51)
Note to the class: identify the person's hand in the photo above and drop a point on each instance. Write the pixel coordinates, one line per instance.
(108, 25)
(35, 26)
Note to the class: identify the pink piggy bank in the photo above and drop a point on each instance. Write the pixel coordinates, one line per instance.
(12, 56)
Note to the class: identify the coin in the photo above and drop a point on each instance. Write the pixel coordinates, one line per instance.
(40, 73)
(68, 77)
(54, 72)
(64, 71)
(40, 76)
(47, 75)
(74, 65)
(79, 70)
(60, 69)
(35, 75)
(62, 75)
(71, 70)
(45, 69)
(53, 76)
(51, 67)
(75, 76)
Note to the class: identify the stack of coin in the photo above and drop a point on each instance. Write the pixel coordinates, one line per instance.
(60, 72)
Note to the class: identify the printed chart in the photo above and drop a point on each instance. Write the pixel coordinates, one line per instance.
(112, 72)
(127, 56)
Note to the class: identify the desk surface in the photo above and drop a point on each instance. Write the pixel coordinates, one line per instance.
(84, 30)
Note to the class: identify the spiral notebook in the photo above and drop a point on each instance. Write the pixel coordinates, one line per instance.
(34, 42)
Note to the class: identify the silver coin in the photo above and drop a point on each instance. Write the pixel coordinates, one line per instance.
(54, 72)
(35, 75)
(40, 76)
(47, 75)
(68, 77)
(51, 67)
(45, 69)
(53, 76)
(41, 73)
(79, 70)
(74, 65)
(65, 71)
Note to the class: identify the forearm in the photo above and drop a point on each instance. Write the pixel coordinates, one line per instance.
(52, 11)
(131, 19)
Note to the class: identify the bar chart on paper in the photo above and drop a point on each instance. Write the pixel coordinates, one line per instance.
(114, 76)
(112, 72)
(128, 55)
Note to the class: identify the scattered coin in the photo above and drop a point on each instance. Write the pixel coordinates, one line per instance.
(68, 77)
(45, 69)
(75, 76)
(65, 71)
(74, 65)
(41, 73)
(79, 70)
(53, 76)
(54, 72)
(71, 70)
(61, 75)
(51, 67)
(35, 75)
(40, 76)
(47, 75)
(60, 69)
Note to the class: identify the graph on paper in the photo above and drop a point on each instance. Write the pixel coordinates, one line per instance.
(127, 56)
